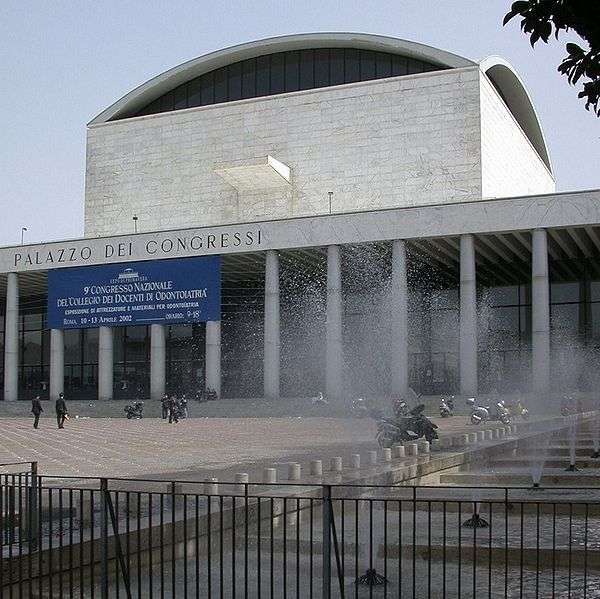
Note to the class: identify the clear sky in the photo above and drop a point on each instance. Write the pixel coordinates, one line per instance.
(63, 62)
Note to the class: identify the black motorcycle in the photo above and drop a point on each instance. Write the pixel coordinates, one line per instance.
(406, 428)
(135, 410)
(447, 406)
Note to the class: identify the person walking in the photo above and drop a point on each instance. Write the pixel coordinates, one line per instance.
(173, 410)
(61, 410)
(164, 402)
(36, 410)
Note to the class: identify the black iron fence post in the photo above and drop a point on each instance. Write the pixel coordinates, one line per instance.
(103, 538)
(326, 541)
(33, 508)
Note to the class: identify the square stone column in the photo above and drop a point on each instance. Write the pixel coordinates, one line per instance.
(272, 328)
(399, 315)
(334, 349)
(105, 363)
(11, 338)
(213, 356)
(540, 312)
(57, 363)
(158, 361)
(468, 317)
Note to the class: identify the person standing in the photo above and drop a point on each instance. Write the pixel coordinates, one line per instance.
(173, 410)
(61, 410)
(164, 402)
(36, 410)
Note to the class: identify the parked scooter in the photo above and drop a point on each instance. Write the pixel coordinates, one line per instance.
(446, 406)
(135, 410)
(481, 414)
(407, 428)
(359, 408)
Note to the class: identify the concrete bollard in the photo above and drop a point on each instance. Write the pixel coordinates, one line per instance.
(386, 454)
(472, 438)
(316, 468)
(461, 440)
(355, 461)
(373, 457)
(436, 445)
(398, 451)
(412, 449)
(240, 479)
(423, 446)
(336, 464)
(212, 486)
(270, 476)
(446, 442)
(294, 471)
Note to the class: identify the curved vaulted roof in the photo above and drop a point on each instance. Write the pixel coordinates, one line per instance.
(135, 100)
(509, 85)
(501, 73)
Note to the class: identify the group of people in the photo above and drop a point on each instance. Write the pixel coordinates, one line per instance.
(174, 408)
(60, 406)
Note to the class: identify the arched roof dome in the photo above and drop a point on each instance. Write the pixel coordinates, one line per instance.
(501, 73)
(129, 104)
(512, 89)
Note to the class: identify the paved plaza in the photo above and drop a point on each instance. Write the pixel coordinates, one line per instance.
(194, 449)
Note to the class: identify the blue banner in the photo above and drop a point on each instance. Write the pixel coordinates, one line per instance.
(135, 293)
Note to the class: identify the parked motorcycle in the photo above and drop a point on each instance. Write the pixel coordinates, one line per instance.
(406, 428)
(481, 414)
(135, 410)
(447, 406)
(401, 408)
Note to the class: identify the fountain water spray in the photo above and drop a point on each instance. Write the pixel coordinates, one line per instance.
(596, 452)
(572, 447)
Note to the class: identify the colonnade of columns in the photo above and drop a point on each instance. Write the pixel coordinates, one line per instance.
(334, 350)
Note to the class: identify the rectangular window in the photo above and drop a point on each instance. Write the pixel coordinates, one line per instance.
(321, 67)
(352, 66)
(249, 78)
(383, 65)
(32, 347)
(221, 85)
(564, 292)
(399, 66)
(367, 65)
(292, 71)
(307, 69)
(336, 69)
(208, 89)
(414, 66)
(180, 97)
(166, 102)
(235, 81)
(262, 75)
(277, 73)
(72, 346)
(194, 89)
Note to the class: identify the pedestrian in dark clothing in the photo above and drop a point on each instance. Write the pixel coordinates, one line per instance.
(173, 410)
(36, 410)
(61, 410)
(164, 402)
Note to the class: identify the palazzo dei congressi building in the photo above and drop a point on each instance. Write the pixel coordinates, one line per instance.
(340, 212)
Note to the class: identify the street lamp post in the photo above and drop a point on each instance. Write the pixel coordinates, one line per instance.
(23, 229)
(135, 219)
(330, 194)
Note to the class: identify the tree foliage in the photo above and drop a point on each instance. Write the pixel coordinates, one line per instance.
(541, 18)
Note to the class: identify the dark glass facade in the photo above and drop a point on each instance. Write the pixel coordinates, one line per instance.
(283, 72)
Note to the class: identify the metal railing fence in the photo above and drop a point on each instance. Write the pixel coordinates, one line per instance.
(123, 538)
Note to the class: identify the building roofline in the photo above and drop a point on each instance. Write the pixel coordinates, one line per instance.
(142, 95)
